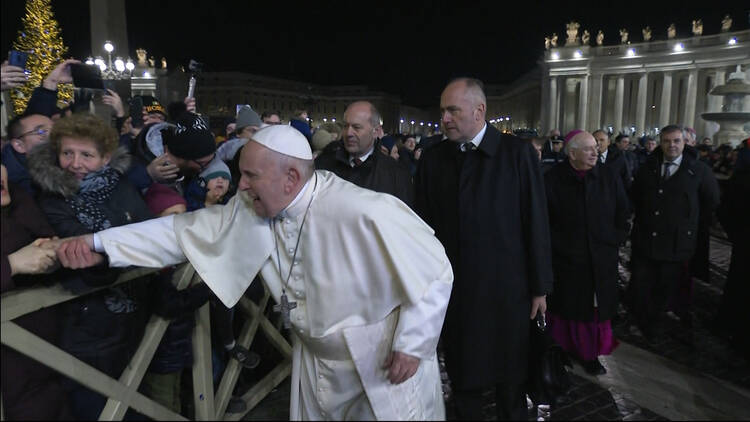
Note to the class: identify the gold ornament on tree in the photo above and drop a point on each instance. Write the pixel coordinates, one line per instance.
(41, 38)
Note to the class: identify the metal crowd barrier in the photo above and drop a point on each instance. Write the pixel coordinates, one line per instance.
(123, 392)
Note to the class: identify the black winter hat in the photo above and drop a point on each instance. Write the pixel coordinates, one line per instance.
(190, 138)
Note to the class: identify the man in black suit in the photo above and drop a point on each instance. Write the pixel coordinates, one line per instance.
(611, 156)
(673, 194)
(357, 156)
(483, 193)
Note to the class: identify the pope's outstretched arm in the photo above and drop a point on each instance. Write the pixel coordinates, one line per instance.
(151, 243)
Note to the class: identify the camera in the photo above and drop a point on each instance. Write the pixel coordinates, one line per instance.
(195, 67)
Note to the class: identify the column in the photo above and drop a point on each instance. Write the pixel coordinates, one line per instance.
(619, 97)
(108, 22)
(553, 103)
(640, 110)
(666, 100)
(595, 113)
(692, 92)
(583, 103)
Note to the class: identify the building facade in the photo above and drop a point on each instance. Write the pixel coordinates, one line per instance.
(640, 87)
(219, 93)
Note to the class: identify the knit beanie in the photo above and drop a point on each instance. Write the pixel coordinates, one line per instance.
(247, 117)
(159, 197)
(216, 168)
(190, 138)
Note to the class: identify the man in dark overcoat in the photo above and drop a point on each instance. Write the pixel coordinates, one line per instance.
(588, 211)
(613, 157)
(358, 159)
(482, 192)
(673, 194)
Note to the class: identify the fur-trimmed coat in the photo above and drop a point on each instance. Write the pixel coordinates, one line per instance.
(124, 206)
(92, 331)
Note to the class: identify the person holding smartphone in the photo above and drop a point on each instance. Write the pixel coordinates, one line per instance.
(11, 76)
(44, 98)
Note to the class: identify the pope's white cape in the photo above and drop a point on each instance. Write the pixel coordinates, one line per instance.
(364, 255)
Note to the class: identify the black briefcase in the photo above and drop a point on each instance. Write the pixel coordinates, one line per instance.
(549, 381)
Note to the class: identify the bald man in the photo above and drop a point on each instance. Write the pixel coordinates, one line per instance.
(358, 159)
(361, 281)
(482, 192)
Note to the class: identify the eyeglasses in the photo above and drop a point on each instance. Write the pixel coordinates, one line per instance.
(38, 131)
(204, 164)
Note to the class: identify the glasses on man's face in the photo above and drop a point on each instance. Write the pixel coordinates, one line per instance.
(204, 163)
(37, 131)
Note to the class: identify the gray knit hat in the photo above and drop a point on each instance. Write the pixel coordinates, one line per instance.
(216, 168)
(247, 117)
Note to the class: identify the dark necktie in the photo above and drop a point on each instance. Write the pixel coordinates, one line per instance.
(667, 165)
(463, 148)
(357, 162)
(467, 146)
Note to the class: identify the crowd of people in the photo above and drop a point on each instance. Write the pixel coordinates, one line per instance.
(375, 246)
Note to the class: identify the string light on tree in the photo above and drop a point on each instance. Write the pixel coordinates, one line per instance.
(40, 37)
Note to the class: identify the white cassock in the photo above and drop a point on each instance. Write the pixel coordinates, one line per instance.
(369, 278)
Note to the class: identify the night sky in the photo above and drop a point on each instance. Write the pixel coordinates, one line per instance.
(409, 49)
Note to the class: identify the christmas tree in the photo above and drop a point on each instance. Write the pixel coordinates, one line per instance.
(40, 37)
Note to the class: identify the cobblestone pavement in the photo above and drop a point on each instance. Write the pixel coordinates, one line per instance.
(695, 346)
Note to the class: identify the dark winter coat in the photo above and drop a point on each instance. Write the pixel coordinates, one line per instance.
(588, 221)
(31, 391)
(379, 172)
(491, 216)
(550, 158)
(15, 163)
(92, 331)
(175, 351)
(618, 165)
(668, 213)
(734, 314)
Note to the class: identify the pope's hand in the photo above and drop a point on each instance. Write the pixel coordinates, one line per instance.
(78, 252)
(400, 367)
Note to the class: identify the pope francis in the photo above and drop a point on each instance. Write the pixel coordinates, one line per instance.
(360, 279)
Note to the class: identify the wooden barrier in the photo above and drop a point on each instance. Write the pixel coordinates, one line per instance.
(123, 393)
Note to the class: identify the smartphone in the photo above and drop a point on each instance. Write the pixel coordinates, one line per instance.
(18, 58)
(86, 76)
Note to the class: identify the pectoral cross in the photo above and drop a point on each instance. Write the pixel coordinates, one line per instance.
(285, 308)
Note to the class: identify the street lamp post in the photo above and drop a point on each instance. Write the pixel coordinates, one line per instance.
(117, 70)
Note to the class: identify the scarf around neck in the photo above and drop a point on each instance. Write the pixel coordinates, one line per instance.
(95, 188)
